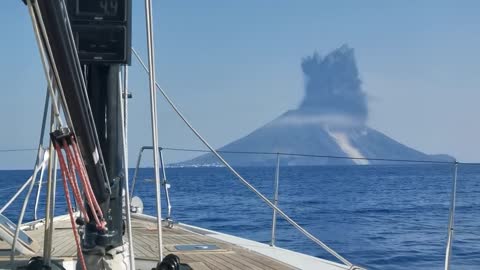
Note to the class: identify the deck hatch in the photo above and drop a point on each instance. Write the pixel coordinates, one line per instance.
(196, 247)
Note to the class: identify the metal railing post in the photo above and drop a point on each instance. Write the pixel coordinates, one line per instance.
(275, 200)
(124, 112)
(153, 113)
(134, 179)
(238, 176)
(39, 191)
(451, 218)
(165, 185)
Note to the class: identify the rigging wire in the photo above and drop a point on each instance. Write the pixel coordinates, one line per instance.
(18, 150)
(18, 186)
(240, 178)
(321, 156)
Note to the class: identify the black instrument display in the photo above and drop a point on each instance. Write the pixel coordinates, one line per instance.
(99, 43)
(102, 30)
(98, 10)
(111, 9)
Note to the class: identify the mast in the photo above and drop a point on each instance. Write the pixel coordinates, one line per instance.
(86, 42)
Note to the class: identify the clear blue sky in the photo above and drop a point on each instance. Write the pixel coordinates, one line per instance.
(232, 66)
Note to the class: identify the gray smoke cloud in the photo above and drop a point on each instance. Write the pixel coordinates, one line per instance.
(333, 86)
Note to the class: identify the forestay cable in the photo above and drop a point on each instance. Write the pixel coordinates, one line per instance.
(245, 182)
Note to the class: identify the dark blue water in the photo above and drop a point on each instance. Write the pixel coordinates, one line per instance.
(380, 217)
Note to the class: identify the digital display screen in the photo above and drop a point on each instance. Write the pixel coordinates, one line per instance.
(102, 9)
(101, 43)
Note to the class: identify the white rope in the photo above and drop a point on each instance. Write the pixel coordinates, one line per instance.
(39, 190)
(37, 168)
(245, 182)
(45, 50)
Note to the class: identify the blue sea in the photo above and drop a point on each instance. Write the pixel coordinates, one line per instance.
(378, 217)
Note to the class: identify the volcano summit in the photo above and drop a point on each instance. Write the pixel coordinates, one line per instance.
(331, 120)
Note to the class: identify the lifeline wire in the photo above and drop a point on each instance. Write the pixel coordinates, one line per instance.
(245, 182)
(319, 156)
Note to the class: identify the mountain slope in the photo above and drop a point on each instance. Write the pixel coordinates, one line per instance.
(312, 138)
(331, 120)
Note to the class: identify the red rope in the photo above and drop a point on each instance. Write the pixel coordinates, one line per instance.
(73, 183)
(70, 169)
(64, 169)
(88, 188)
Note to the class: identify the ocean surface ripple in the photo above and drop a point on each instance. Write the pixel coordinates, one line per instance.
(379, 217)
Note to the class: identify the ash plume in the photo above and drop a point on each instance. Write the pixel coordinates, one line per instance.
(331, 120)
(333, 86)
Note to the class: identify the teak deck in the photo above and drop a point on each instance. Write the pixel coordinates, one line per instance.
(228, 256)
